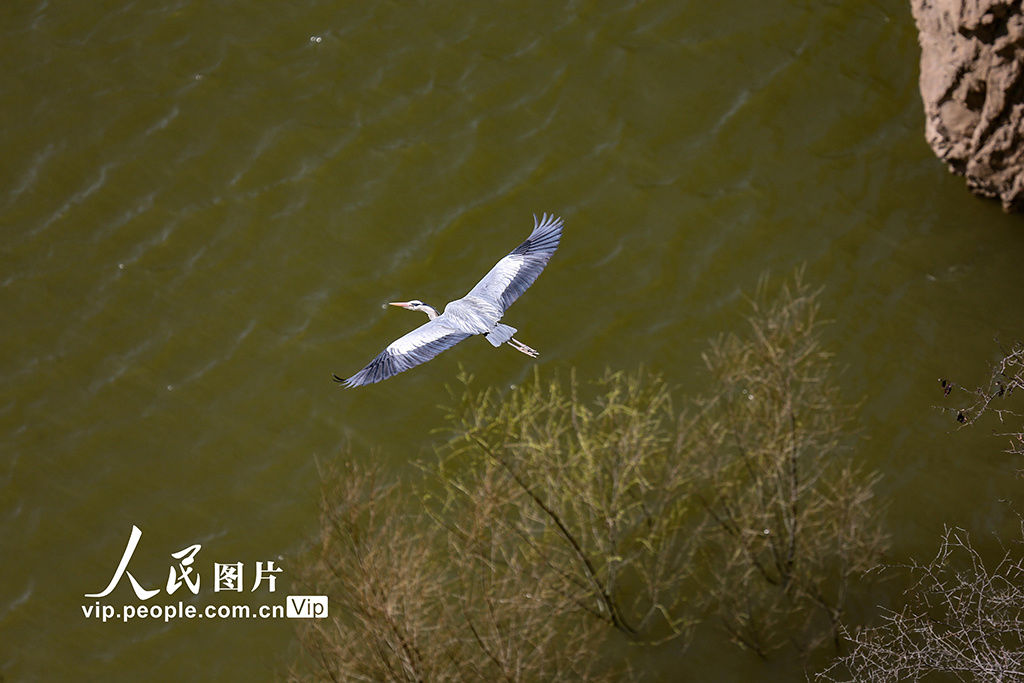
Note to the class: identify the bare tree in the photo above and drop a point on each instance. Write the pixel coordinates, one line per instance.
(793, 512)
(387, 619)
(996, 398)
(960, 617)
(408, 605)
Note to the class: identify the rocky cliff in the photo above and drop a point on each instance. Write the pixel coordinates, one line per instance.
(972, 83)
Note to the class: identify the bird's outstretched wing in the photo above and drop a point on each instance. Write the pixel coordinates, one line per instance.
(408, 351)
(512, 275)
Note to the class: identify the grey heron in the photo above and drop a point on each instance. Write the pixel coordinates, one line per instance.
(479, 312)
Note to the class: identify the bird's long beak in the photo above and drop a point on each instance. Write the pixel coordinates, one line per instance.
(402, 304)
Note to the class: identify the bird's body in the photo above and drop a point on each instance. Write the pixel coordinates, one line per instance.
(479, 312)
(474, 315)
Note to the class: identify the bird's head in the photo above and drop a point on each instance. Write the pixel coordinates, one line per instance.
(416, 305)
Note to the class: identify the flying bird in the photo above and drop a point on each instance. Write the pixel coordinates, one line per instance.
(479, 312)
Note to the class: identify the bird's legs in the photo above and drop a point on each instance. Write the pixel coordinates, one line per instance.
(523, 348)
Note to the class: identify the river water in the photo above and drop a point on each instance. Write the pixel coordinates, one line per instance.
(205, 205)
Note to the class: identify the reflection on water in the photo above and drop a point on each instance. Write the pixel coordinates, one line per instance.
(204, 210)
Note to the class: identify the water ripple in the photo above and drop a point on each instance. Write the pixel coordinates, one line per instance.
(214, 361)
(74, 200)
(31, 174)
(163, 122)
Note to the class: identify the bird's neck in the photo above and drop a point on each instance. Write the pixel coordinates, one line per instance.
(429, 310)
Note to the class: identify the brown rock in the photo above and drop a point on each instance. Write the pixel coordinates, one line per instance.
(972, 83)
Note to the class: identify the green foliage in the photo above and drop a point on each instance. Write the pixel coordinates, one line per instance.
(594, 493)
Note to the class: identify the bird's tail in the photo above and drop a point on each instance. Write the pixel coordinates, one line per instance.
(500, 334)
